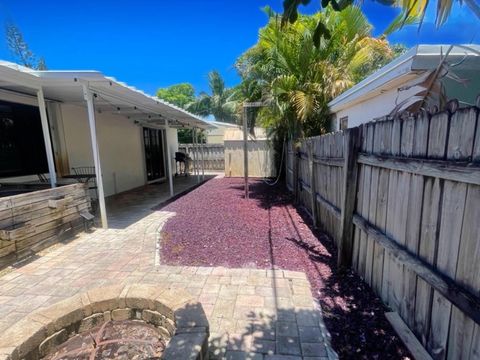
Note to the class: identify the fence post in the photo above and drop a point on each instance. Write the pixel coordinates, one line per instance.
(296, 161)
(287, 159)
(313, 192)
(351, 146)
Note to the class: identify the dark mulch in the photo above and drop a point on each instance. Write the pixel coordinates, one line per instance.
(216, 226)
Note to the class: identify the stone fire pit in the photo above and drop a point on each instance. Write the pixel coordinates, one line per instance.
(141, 321)
(114, 339)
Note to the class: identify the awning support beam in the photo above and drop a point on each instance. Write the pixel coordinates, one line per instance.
(194, 163)
(197, 155)
(88, 95)
(169, 160)
(46, 137)
(202, 145)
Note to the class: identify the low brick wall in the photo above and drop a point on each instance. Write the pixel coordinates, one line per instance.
(30, 222)
(173, 312)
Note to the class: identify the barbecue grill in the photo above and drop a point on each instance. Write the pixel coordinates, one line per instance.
(181, 159)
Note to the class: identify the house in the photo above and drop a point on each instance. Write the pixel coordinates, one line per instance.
(379, 94)
(54, 121)
(215, 134)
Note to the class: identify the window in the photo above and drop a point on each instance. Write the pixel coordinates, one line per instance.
(22, 149)
(344, 123)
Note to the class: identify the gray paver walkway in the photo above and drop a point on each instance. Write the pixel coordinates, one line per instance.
(253, 314)
(126, 208)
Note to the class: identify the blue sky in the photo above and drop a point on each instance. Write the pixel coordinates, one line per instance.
(151, 44)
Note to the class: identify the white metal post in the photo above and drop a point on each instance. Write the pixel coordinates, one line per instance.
(96, 156)
(202, 145)
(46, 137)
(169, 160)
(245, 150)
(198, 155)
(193, 152)
(195, 142)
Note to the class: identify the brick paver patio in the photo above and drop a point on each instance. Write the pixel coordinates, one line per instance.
(253, 314)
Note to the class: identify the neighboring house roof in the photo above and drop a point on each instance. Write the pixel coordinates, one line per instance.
(219, 127)
(223, 124)
(407, 66)
(112, 95)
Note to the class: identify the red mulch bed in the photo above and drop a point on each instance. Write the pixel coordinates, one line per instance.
(216, 226)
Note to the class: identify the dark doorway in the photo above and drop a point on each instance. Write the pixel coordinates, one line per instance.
(22, 148)
(154, 159)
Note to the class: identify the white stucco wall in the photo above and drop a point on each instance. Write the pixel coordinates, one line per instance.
(214, 139)
(215, 136)
(120, 144)
(121, 147)
(375, 107)
(383, 103)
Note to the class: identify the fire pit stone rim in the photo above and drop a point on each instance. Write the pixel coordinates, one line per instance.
(173, 310)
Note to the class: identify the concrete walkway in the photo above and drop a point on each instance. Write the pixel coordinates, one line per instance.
(253, 314)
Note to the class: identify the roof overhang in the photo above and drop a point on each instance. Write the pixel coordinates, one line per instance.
(110, 95)
(417, 60)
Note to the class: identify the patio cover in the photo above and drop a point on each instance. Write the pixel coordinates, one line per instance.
(112, 95)
(100, 94)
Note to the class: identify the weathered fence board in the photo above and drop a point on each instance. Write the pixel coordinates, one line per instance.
(213, 155)
(260, 158)
(416, 237)
(349, 188)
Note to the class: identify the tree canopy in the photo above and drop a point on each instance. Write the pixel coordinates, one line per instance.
(181, 95)
(220, 102)
(178, 94)
(297, 79)
(20, 49)
(412, 11)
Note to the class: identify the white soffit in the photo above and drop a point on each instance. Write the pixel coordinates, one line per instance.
(416, 60)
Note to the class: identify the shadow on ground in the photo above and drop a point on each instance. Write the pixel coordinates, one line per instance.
(353, 314)
(289, 332)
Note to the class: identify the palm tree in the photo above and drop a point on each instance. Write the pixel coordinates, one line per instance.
(297, 78)
(412, 11)
(220, 103)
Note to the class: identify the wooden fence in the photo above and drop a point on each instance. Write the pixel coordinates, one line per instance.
(213, 155)
(260, 156)
(401, 198)
(32, 221)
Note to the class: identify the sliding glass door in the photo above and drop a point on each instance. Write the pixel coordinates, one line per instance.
(22, 149)
(154, 154)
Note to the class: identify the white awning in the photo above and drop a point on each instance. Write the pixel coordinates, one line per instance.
(111, 95)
